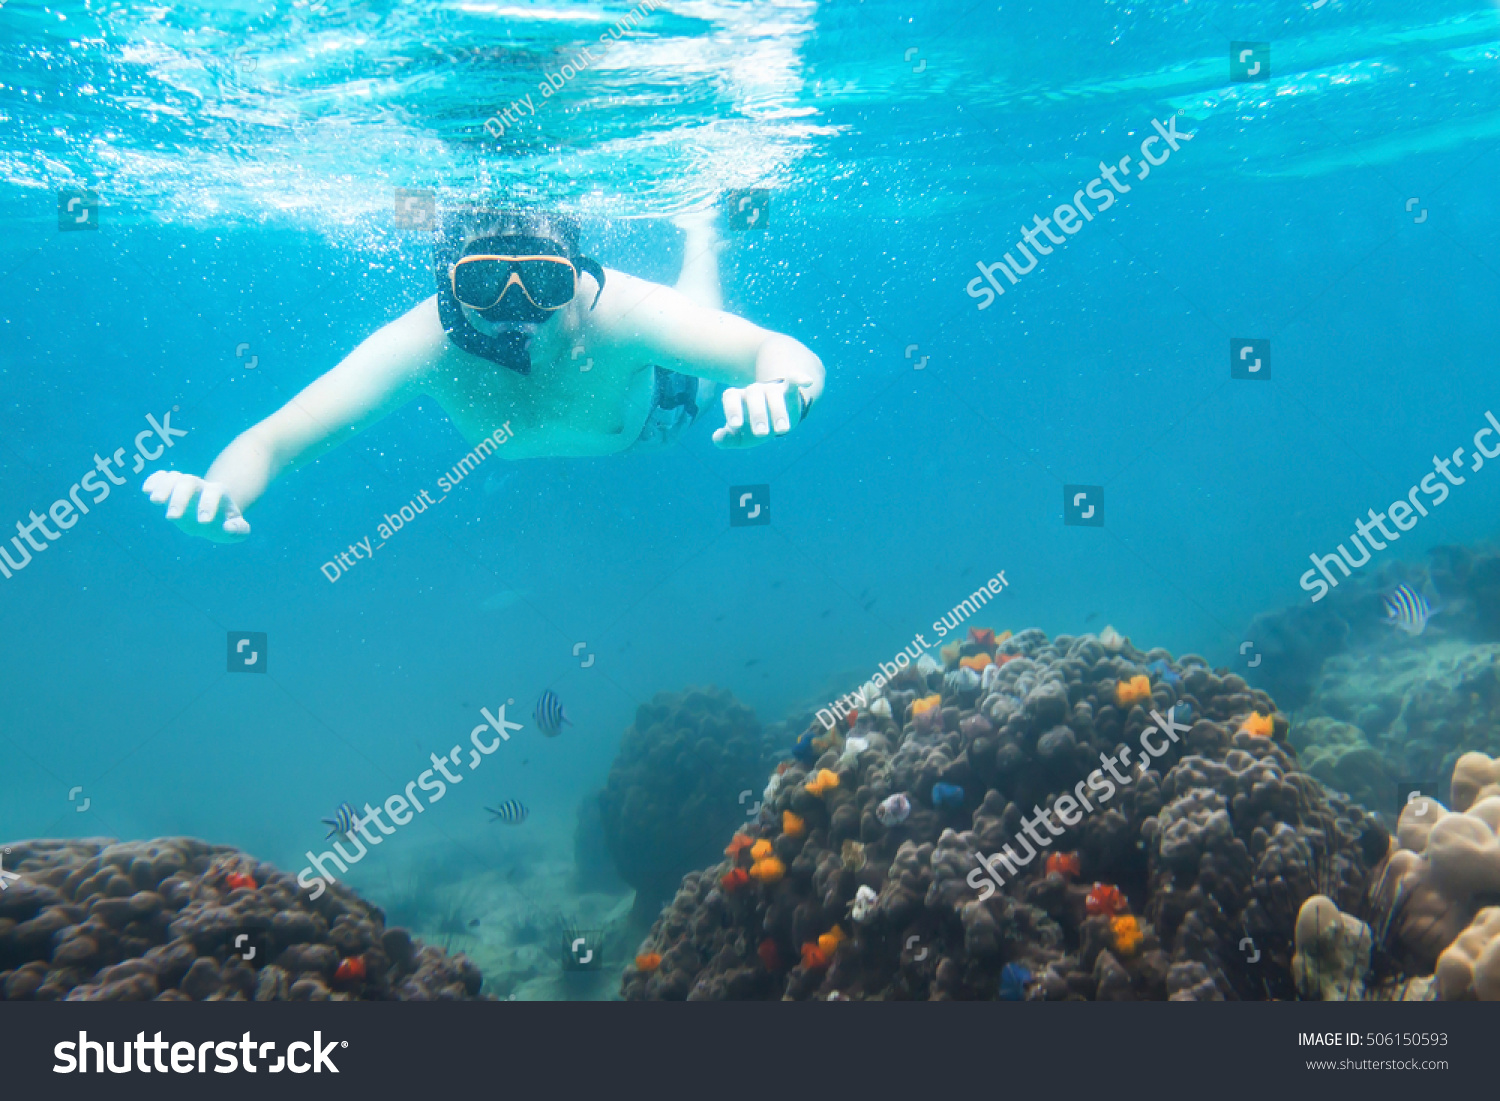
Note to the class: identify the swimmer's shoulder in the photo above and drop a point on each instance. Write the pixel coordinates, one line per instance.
(418, 337)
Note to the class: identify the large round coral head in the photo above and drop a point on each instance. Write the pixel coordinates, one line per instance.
(1106, 899)
(351, 970)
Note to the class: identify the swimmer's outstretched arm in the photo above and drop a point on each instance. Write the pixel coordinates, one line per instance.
(772, 379)
(376, 378)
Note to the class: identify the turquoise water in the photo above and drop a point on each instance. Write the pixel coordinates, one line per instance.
(245, 159)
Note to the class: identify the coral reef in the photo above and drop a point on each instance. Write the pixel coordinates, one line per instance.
(678, 786)
(1470, 966)
(1419, 706)
(176, 919)
(1292, 644)
(1338, 754)
(1333, 952)
(1212, 844)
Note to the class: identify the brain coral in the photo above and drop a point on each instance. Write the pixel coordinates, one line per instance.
(1220, 837)
(1475, 777)
(1470, 966)
(140, 920)
(674, 791)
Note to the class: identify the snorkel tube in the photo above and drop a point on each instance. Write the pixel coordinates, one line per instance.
(508, 344)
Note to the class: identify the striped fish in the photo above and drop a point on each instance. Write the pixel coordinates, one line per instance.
(345, 821)
(511, 812)
(550, 715)
(1407, 610)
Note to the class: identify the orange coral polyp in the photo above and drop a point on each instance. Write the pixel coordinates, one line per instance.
(793, 825)
(648, 961)
(978, 662)
(829, 942)
(760, 850)
(825, 780)
(813, 957)
(1127, 934)
(1135, 689)
(1064, 864)
(770, 870)
(1260, 726)
(925, 704)
(734, 880)
(736, 846)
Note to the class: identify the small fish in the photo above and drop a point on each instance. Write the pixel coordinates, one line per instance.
(1091, 617)
(511, 812)
(474, 924)
(804, 750)
(893, 810)
(947, 795)
(345, 821)
(550, 715)
(1407, 610)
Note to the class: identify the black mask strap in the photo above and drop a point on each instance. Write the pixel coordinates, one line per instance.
(590, 265)
(508, 349)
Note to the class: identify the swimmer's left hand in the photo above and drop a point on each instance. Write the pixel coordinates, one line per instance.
(753, 413)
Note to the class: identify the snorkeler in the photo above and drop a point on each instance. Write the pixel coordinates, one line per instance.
(580, 360)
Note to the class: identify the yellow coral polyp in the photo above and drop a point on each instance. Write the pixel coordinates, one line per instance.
(1259, 725)
(1127, 934)
(770, 870)
(760, 850)
(792, 824)
(949, 654)
(825, 780)
(830, 940)
(925, 704)
(1133, 690)
(978, 662)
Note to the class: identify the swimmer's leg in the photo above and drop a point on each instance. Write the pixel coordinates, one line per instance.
(699, 280)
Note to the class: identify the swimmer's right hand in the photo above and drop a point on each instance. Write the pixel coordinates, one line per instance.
(216, 517)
